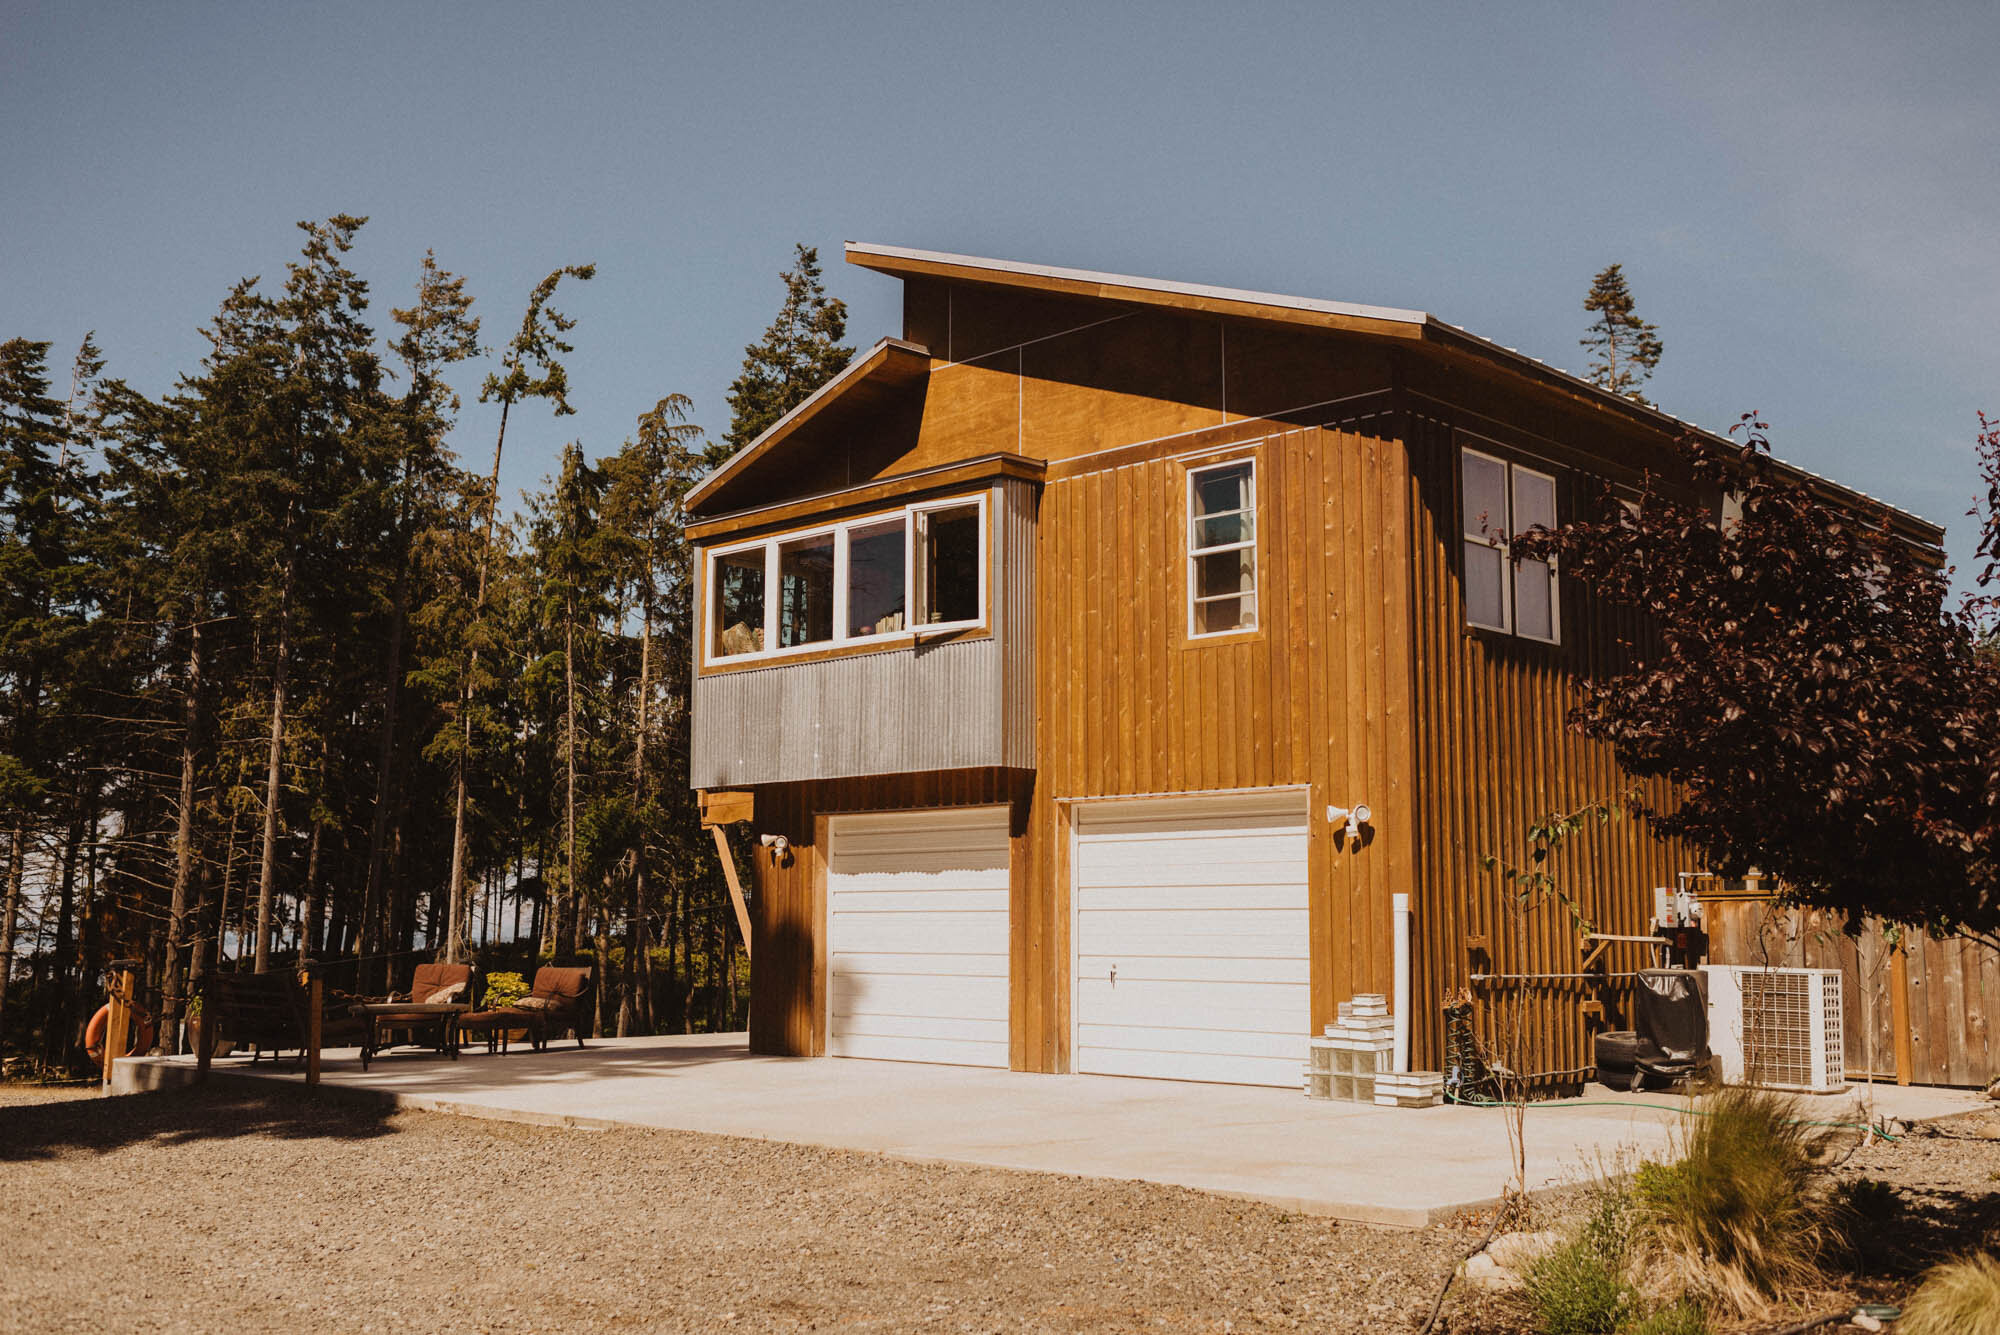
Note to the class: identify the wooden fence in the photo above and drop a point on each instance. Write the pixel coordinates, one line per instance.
(1949, 990)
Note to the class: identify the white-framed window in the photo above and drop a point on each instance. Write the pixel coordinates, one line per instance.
(1222, 548)
(876, 579)
(1498, 499)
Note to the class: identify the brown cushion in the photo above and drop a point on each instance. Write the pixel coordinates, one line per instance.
(566, 984)
(428, 978)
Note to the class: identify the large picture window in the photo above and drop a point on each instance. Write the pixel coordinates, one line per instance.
(1222, 548)
(1497, 500)
(919, 569)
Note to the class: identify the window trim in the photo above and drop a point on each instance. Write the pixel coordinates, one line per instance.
(1503, 542)
(840, 532)
(1192, 553)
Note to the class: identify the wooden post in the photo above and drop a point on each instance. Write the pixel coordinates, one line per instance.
(118, 1032)
(735, 886)
(315, 1007)
(1899, 1010)
(204, 1037)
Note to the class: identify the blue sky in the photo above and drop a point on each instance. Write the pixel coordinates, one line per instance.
(1804, 196)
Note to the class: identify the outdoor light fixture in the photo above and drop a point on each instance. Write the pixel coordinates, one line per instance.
(781, 847)
(1354, 817)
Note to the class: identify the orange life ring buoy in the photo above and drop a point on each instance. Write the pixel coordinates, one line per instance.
(141, 1036)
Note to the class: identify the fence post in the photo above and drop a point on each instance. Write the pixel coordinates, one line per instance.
(315, 1004)
(1899, 1010)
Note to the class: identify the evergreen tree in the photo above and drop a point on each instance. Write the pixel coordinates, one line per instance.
(537, 345)
(1624, 349)
(799, 352)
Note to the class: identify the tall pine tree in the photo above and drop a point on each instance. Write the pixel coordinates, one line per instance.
(799, 352)
(1624, 348)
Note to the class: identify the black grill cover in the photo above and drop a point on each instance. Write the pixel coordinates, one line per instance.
(1671, 1018)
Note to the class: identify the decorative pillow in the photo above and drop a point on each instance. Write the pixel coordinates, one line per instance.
(532, 1004)
(445, 995)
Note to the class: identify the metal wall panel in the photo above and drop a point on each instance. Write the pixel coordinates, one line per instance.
(963, 704)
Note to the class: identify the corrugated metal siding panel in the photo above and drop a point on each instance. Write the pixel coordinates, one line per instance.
(964, 704)
(890, 713)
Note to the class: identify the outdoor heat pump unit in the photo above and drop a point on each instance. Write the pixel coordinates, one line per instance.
(1777, 1028)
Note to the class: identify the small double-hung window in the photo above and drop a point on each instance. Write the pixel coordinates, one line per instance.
(1222, 548)
(1497, 500)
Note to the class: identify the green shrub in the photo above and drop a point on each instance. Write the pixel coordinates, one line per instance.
(1579, 1287)
(1682, 1318)
(1864, 1216)
(504, 989)
(1733, 1219)
(1960, 1297)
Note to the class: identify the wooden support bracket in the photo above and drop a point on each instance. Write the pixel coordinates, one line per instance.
(725, 806)
(735, 886)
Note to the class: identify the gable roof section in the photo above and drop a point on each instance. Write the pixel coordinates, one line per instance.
(890, 365)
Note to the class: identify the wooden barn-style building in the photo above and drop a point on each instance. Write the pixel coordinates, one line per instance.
(1051, 650)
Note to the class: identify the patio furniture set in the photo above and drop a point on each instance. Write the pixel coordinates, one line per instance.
(268, 1012)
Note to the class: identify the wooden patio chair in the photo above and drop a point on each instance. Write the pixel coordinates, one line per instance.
(264, 1011)
(558, 1001)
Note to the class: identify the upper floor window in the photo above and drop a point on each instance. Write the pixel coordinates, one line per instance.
(1222, 548)
(862, 581)
(1497, 500)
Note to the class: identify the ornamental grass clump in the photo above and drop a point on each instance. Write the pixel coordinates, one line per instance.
(1579, 1287)
(1960, 1297)
(1733, 1220)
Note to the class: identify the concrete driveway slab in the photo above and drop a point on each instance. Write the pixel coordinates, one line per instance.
(1402, 1167)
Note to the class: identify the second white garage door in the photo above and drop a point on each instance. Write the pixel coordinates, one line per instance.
(916, 936)
(1192, 953)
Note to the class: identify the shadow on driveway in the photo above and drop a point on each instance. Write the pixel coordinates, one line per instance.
(222, 1110)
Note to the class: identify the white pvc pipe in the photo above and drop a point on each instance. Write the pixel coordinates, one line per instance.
(1400, 912)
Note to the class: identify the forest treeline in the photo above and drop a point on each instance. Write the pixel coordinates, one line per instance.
(281, 677)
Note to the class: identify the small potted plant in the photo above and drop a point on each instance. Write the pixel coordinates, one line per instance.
(503, 990)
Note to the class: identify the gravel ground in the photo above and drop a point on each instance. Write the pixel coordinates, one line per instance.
(223, 1210)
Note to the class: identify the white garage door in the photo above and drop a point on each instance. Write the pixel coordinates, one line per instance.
(916, 936)
(1191, 939)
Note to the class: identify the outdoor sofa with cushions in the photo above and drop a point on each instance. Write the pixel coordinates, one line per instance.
(559, 1000)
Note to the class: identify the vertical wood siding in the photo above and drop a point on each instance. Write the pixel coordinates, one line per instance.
(1496, 755)
(1318, 695)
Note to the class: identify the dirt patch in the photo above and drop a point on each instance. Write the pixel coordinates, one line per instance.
(221, 1210)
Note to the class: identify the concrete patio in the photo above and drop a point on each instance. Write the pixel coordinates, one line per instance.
(1373, 1165)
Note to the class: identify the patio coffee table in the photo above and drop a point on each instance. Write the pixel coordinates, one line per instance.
(496, 1026)
(377, 1016)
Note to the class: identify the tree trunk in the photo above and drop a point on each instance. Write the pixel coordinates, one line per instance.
(458, 830)
(174, 991)
(309, 915)
(60, 1002)
(228, 883)
(10, 913)
(385, 750)
(267, 874)
(568, 904)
